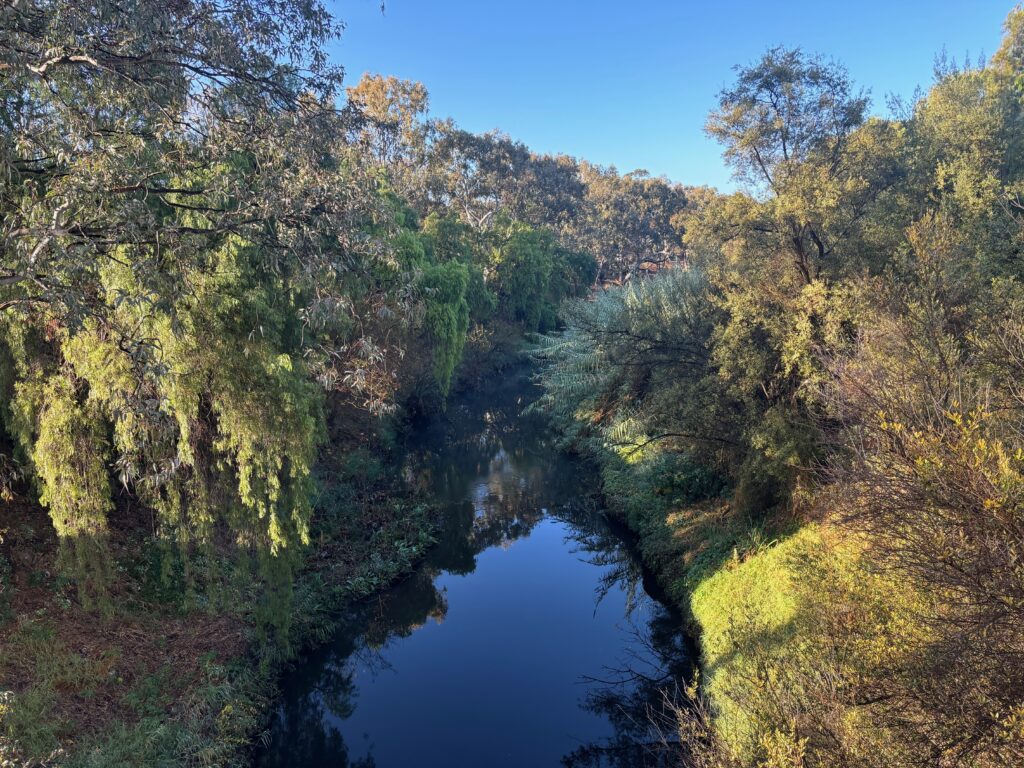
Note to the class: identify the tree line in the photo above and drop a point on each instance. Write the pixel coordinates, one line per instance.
(830, 392)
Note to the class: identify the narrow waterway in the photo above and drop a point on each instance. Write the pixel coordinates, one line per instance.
(528, 637)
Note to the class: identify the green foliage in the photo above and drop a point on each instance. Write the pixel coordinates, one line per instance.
(26, 729)
(522, 265)
(532, 275)
(446, 239)
(446, 316)
(210, 257)
(154, 332)
(69, 459)
(203, 258)
(216, 721)
(631, 223)
(634, 366)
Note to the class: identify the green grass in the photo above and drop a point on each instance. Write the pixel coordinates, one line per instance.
(747, 612)
(747, 591)
(31, 718)
(733, 582)
(27, 726)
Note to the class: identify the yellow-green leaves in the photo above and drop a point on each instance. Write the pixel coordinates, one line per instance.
(444, 288)
(70, 460)
(70, 456)
(268, 429)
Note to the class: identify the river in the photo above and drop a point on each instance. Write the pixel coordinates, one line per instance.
(529, 636)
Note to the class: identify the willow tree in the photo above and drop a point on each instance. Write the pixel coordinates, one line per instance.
(531, 274)
(192, 256)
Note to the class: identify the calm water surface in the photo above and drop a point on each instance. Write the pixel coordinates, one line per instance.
(527, 637)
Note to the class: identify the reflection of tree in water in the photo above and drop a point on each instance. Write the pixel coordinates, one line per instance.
(640, 699)
(321, 690)
(496, 474)
(302, 734)
(603, 543)
(403, 609)
(307, 742)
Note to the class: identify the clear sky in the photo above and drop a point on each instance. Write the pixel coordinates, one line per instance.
(629, 84)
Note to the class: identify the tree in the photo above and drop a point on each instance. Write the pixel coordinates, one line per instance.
(792, 127)
(531, 274)
(395, 131)
(630, 223)
(794, 130)
(192, 255)
(481, 175)
(929, 471)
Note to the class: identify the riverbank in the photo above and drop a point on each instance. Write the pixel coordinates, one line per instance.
(751, 593)
(170, 676)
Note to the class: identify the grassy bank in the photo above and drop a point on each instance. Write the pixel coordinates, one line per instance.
(778, 606)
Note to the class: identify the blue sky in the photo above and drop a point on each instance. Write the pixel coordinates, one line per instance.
(629, 84)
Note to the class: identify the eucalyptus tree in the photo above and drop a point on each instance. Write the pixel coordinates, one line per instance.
(795, 130)
(815, 170)
(630, 222)
(395, 130)
(484, 175)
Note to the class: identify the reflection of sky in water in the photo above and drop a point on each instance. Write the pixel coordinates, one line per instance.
(489, 654)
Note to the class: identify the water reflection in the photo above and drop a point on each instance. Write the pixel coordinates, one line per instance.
(640, 700)
(495, 685)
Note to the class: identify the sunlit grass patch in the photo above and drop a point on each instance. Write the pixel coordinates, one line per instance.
(790, 631)
(746, 611)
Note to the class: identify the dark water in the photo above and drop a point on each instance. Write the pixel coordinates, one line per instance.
(526, 638)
